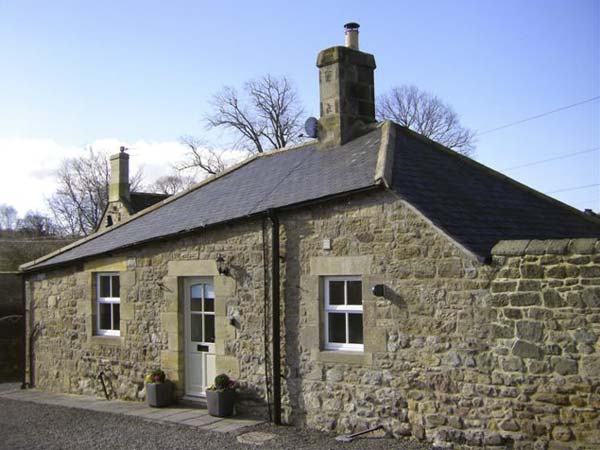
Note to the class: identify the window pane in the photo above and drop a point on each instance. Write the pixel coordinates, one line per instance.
(209, 291)
(105, 286)
(104, 315)
(116, 286)
(354, 292)
(196, 297)
(209, 304)
(196, 291)
(196, 304)
(337, 327)
(336, 292)
(116, 316)
(209, 328)
(196, 327)
(355, 325)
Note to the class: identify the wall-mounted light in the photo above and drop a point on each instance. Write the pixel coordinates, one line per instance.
(221, 265)
(378, 290)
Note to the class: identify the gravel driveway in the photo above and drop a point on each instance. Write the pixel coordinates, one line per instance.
(25, 425)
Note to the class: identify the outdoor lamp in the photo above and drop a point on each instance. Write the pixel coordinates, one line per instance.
(221, 266)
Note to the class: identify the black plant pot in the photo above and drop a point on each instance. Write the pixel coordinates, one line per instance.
(220, 403)
(159, 394)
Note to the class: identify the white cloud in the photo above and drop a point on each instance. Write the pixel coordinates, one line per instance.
(28, 165)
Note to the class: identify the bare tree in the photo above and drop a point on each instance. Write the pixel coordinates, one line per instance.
(82, 194)
(201, 157)
(428, 115)
(8, 217)
(172, 184)
(267, 116)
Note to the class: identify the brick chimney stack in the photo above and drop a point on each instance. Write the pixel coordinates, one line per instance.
(347, 91)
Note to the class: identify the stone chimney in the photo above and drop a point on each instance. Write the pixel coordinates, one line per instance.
(119, 177)
(347, 91)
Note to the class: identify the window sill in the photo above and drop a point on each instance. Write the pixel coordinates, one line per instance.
(344, 357)
(106, 340)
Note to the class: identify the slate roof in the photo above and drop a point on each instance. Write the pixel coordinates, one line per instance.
(473, 204)
(143, 200)
(272, 180)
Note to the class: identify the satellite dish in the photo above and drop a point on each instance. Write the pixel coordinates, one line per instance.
(310, 127)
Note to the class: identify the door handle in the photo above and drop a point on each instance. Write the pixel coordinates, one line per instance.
(202, 348)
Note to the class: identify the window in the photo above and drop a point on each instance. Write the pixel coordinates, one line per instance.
(202, 313)
(343, 313)
(108, 299)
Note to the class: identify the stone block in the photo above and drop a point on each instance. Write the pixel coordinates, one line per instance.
(555, 272)
(503, 331)
(530, 331)
(564, 366)
(589, 271)
(585, 336)
(529, 285)
(552, 299)
(557, 246)
(590, 366)
(512, 364)
(513, 313)
(524, 298)
(434, 420)
(510, 248)
(504, 286)
(583, 246)
(532, 271)
(562, 433)
(591, 297)
(524, 349)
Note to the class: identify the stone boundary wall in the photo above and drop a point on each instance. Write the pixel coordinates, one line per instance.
(11, 326)
(546, 295)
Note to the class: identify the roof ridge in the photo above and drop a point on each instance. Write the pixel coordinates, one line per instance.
(496, 174)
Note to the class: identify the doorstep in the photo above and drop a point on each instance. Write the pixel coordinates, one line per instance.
(189, 414)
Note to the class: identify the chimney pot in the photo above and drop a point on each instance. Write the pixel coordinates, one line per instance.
(352, 35)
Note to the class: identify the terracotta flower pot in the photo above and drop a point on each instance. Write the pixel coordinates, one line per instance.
(159, 394)
(220, 403)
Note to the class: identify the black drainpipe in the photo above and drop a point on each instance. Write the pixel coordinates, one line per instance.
(276, 318)
(24, 318)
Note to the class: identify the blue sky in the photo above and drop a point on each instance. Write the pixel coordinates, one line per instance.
(75, 73)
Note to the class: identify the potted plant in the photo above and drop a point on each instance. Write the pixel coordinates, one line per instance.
(159, 391)
(220, 396)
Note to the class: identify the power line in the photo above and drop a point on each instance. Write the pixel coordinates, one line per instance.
(566, 155)
(537, 116)
(573, 188)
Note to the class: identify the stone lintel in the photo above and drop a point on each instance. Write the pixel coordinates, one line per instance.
(342, 265)
(192, 268)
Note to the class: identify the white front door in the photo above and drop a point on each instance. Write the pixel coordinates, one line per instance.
(199, 304)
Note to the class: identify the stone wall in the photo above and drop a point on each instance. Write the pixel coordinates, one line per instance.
(11, 326)
(545, 352)
(68, 357)
(457, 352)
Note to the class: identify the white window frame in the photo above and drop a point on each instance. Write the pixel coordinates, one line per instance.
(106, 300)
(328, 308)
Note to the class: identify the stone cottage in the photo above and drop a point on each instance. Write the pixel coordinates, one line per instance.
(368, 277)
